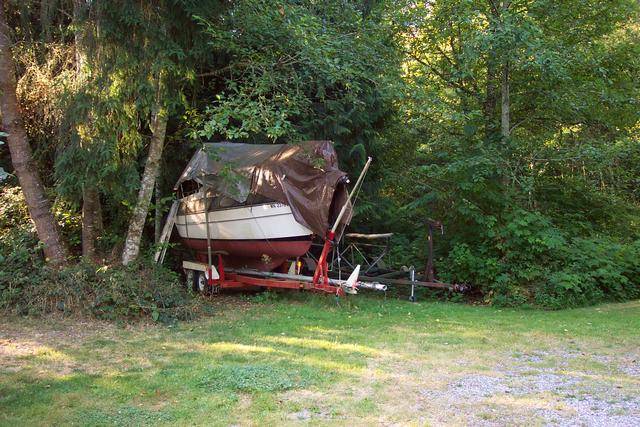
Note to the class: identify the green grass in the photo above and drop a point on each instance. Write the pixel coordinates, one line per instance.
(296, 360)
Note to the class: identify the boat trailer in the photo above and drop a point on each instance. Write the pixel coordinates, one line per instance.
(212, 279)
(209, 279)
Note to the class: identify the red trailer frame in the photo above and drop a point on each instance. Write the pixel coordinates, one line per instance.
(226, 278)
(230, 279)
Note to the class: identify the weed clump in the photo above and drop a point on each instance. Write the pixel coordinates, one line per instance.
(252, 378)
(110, 293)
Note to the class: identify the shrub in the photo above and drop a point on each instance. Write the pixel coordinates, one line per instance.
(21, 264)
(528, 259)
(590, 271)
(13, 211)
(118, 292)
(29, 286)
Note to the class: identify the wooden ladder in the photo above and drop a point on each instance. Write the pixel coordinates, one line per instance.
(166, 233)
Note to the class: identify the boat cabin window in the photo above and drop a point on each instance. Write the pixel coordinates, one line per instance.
(187, 188)
(197, 205)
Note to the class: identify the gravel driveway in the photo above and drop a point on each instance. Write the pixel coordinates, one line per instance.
(559, 388)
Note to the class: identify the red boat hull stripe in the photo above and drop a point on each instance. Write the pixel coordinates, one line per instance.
(261, 254)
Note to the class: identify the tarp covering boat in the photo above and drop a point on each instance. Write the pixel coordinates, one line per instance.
(305, 176)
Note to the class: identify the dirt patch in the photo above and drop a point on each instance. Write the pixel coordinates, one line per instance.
(47, 346)
(306, 415)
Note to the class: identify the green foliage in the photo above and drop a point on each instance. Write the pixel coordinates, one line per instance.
(29, 286)
(21, 265)
(592, 271)
(534, 261)
(544, 215)
(13, 211)
(265, 297)
(298, 70)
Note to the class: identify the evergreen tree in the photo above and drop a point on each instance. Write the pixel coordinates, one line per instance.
(21, 154)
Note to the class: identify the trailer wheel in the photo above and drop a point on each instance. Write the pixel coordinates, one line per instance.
(200, 283)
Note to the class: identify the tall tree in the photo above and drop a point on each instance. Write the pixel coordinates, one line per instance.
(147, 185)
(302, 69)
(90, 194)
(141, 68)
(505, 106)
(21, 154)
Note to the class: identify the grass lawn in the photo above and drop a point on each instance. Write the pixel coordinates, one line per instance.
(301, 359)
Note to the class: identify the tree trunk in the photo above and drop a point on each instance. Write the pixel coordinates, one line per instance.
(504, 113)
(80, 10)
(90, 202)
(505, 121)
(46, 11)
(491, 98)
(91, 210)
(158, 214)
(21, 155)
(99, 224)
(136, 225)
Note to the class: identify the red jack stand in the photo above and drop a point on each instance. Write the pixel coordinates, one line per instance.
(321, 275)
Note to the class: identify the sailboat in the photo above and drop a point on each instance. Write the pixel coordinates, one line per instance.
(259, 205)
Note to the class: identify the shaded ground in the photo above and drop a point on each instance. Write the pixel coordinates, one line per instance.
(303, 360)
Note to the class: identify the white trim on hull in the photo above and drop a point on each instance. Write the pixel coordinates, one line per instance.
(257, 222)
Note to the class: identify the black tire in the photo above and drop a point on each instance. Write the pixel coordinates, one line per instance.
(199, 282)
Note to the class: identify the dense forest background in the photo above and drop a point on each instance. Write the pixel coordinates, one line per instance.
(514, 122)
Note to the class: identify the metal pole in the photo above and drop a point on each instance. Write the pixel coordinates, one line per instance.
(353, 190)
(429, 269)
(209, 257)
(412, 277)
(337, 250)
(321, 275)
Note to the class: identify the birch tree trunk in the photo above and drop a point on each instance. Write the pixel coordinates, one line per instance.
(80, 10)
(21, 155)
(151, 168)
(491, 99)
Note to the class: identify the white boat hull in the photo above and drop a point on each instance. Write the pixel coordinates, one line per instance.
(259, 236)
(257, 222)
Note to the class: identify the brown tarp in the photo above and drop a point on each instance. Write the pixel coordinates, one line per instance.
(305, 176)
